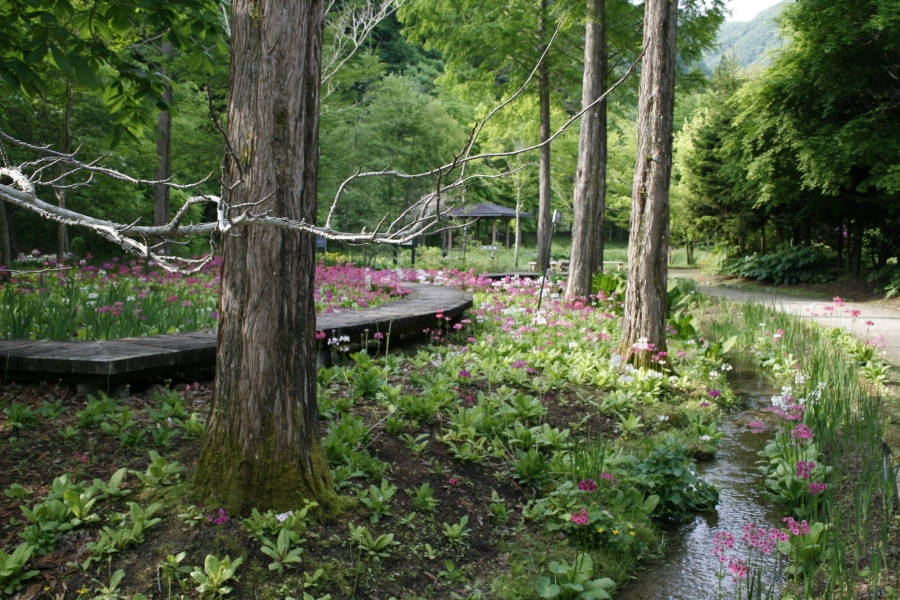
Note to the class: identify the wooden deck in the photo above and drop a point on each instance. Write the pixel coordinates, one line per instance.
(115, 361)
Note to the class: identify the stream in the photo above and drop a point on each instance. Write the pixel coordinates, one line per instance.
(689, 569)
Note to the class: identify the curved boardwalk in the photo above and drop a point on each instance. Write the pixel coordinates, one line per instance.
(103, 363)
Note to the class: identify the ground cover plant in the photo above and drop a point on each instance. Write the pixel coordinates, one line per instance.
(825, 461)
(517, 456)
(129, 298)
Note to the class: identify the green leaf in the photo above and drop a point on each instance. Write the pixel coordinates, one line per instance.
(546, 589)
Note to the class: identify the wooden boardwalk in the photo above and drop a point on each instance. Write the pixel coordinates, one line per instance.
(123, 360)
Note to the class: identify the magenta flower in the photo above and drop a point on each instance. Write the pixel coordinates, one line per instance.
(609, 478)
(453, 481)
(581, 517)
(804, 467)
(756, 426)
(464, 374)
(221, 519)
(519, 364)
(802, 432)
(587, 485)
(378, 335)
(816, 488)
(715, 393)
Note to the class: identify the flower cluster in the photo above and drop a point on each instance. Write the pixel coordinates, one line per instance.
(219, 519)
(588, 485)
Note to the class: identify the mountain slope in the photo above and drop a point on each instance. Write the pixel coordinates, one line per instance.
(750, 40)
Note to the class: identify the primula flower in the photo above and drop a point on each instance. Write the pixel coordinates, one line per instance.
(804, 468)
(464, 374)
(588, 485)
(715, 393)
(816, 488)
(802, 432)
(581, 517)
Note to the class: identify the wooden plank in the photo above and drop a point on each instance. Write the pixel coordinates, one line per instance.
(118, 360)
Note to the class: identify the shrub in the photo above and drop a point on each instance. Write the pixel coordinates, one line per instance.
(787, 265)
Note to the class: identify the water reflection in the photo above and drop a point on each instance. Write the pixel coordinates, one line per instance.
(689, 570)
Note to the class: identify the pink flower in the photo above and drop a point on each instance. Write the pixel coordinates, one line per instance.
(609, 478)
(681, 354)
(519, 364)
(738, 568)
(756, 426)
(581, 517)
(804, 467)
(715, 393)
(870, 323)
(802, 432)
(464, 374)
(320, 335)
(816, 488)
(453, 481)
(587, 485)
(378, 335)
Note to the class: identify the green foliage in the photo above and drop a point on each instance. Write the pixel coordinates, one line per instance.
(173, 571)
(285, 551)
(20, 415)
(193, 428)
(532, 468)
(367, 377)
(378, 499)
(17, 492)
(213, 579)
(574, 581)
(423, 497)
(12, 575)
(98, 46)
(97, 411)
(786, 266)
(160, 471)
(373, 547)
(668, 471)
(455, 532)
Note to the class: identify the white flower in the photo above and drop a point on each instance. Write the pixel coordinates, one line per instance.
(726, 367)
(663, 418)
(626, 379)
(573, 345)
(283, 516)
(713, 374)
(705, 438)
(673, 379)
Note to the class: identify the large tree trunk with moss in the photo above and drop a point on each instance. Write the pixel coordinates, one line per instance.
(545, 223)
(591, 172)
(645, 298)
(262, 447)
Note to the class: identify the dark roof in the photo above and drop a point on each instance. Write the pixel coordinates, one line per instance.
(488, 211)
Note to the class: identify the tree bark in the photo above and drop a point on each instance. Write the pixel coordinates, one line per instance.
(6, 257)
(645, 296)
(62, 233)
(262, 446)
(161, 205)
(544, 192)
(590, 177)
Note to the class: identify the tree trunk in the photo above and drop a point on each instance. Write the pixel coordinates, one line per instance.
(62, 233)
(762, 238)
(544, 196)
(518, 242)
(6, 257)
(645, 296)
(590, 175)
(161, 208)
(840, 244)
(857, 249)
(262, 446)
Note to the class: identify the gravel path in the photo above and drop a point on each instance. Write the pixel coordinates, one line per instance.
(886, 320)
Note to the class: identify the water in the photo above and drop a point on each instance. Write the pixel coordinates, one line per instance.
(689, 570)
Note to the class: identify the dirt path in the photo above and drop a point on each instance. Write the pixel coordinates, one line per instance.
(886, 328)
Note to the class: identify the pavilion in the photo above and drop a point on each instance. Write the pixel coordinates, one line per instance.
(486, 211)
